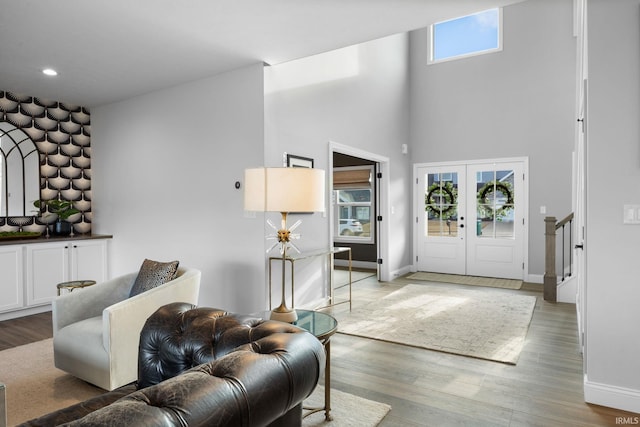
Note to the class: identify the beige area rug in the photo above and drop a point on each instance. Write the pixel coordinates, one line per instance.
(341, 277)
(347, 410)
(492, 282)
(468, 322)
(34, 387)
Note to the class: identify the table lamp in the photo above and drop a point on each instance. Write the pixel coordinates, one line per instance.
(284, 190)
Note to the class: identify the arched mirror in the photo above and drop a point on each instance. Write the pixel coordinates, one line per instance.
(19, 172)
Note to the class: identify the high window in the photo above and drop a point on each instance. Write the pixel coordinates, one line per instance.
(466, 36)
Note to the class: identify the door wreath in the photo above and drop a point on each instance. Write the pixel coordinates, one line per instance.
(440, 200)
(486, 197)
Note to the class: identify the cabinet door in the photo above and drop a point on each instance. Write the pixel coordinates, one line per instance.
(47, 265)
(11, 295)
(89, 260)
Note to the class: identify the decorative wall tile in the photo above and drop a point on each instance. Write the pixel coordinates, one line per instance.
(62, 135)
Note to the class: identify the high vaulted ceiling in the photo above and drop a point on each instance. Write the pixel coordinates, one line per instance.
(110, 50)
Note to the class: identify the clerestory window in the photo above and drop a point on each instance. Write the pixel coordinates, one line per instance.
(466, 36)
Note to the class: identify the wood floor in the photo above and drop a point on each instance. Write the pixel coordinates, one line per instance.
(25, 330)
(429, 388)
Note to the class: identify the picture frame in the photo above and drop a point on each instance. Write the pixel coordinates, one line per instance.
(299, 162)
(294, 161)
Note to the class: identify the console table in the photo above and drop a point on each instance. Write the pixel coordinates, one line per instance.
(329, 253)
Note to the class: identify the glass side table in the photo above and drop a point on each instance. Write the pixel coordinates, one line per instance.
(322, 326)
(74, 284)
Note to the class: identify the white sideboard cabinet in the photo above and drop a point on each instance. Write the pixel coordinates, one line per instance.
(11, 266)
(31, 271)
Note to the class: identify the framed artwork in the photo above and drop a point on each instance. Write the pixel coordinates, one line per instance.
(299, 162)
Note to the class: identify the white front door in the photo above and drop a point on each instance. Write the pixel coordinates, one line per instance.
(496, 247)
(471, 218)
(441, 224)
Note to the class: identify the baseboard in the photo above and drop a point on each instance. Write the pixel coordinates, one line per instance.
(315, 304)
(535, 278)
(612, 396)
(366, 265)
(25, 312)
(401, 272)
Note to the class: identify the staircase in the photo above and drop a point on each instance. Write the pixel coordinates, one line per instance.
(563, 287)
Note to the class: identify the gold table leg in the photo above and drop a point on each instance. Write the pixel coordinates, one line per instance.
(327, 386)
(327, 382)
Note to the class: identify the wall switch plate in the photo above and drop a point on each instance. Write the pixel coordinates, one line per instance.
(543, 210)
(631, 214)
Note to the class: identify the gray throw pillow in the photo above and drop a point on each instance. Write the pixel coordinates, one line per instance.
(153, 274)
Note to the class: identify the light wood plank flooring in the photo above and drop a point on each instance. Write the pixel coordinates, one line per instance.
(429, 388)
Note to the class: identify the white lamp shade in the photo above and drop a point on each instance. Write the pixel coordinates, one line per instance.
(284, 190)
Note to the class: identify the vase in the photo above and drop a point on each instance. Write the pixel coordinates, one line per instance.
(61, 228)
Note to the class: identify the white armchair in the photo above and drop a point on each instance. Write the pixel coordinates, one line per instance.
(96, 330)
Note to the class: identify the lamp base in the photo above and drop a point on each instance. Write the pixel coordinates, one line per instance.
(288, 316)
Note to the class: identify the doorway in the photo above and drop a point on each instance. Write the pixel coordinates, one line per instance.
(471, 218)
(365, 224)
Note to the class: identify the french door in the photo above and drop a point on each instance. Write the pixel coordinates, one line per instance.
(471, 218)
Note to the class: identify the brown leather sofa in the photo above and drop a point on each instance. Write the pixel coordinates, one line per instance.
(207, 367)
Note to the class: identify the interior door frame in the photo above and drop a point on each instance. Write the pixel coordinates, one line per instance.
(382, 201)
(418, 202)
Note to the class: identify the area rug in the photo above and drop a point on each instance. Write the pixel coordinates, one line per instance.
(341, 277)
(35, 387)
(347, 410)
(469, 322)
(492, 282)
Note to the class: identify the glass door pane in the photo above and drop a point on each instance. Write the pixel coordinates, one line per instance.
(495, 204)
(441, 204)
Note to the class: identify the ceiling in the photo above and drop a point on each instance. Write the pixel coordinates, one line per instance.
(109, 50)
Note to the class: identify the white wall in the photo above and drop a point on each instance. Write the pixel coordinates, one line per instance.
(515, 103)
(612, 341)
(164, 167)
(356, 97)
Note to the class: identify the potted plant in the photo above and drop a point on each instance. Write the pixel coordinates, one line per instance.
(63, 209)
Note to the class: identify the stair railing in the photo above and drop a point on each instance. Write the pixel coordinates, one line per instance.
(550, 258)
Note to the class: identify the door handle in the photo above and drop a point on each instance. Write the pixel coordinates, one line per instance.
(580, 246)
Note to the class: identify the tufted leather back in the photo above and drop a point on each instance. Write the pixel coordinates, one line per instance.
(180, 336)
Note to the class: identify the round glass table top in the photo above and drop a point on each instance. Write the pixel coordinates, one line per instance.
(321, 325)
(77, 283)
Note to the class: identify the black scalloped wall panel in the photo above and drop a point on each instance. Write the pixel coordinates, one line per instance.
(62, 134)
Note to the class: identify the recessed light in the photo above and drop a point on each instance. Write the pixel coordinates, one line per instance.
(50, 72)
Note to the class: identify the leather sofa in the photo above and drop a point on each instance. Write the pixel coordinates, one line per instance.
(207, 367)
